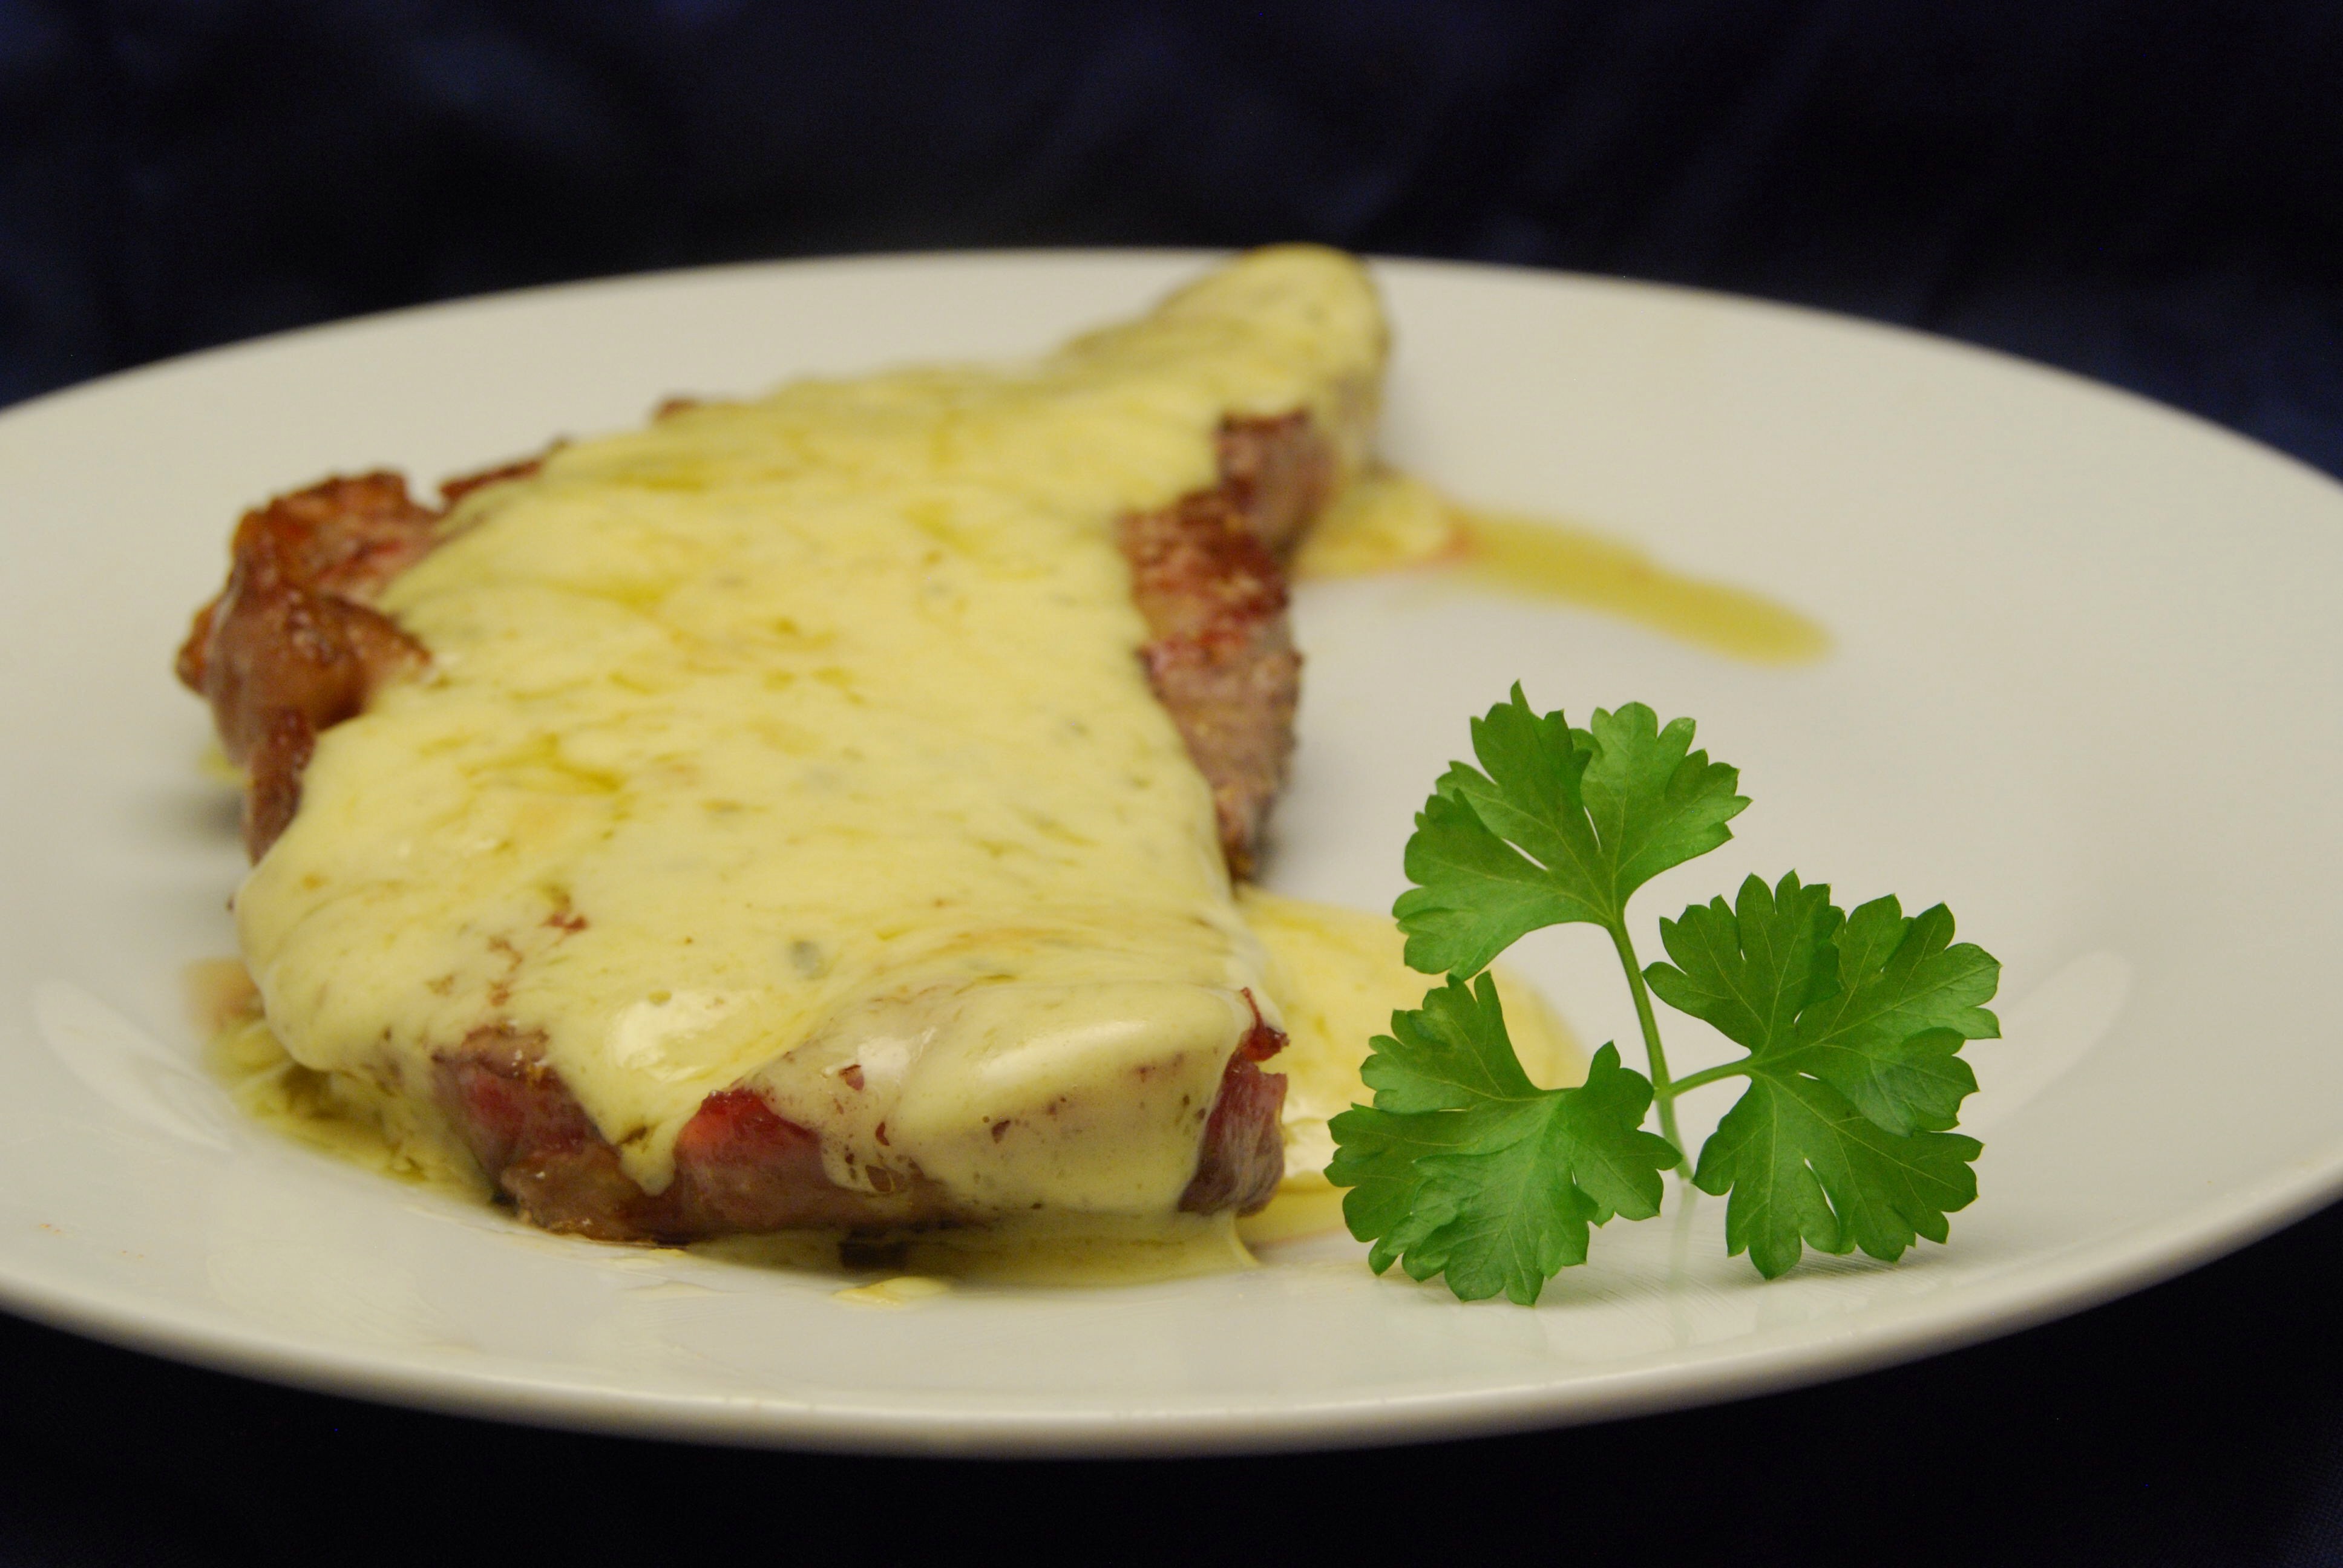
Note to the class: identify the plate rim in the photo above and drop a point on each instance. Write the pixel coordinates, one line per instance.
(2129, 1261)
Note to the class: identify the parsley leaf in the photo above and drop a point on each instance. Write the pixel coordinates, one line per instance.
(1557, 825)
(1462, 1167)
(1852, 1025)
(1907, 996)
(1802, 1164)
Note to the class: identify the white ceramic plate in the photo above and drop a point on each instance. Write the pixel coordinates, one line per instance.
(2084, 691)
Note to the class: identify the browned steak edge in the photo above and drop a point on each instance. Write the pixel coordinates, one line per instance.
(742, 1168)
(1208, 575)
(1242, 1158)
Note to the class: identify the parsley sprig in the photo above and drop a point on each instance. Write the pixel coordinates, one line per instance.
(1852, 1026)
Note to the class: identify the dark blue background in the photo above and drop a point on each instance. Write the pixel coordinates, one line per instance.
(2147, 193)
(2150, 193)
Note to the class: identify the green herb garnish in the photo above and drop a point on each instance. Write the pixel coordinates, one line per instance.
(1853, 1026)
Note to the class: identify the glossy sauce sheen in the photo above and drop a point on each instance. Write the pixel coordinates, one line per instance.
(802, 743)
(1389, 521)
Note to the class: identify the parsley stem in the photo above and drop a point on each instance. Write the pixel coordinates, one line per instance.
(1664, 1094)
(1709, 1075)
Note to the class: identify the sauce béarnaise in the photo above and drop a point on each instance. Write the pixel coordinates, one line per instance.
(801, 744)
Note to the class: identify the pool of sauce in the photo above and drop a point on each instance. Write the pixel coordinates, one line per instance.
(1388, 521)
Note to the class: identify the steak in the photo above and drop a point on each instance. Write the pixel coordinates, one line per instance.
(293, 644)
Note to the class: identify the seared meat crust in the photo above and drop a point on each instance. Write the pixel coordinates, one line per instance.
(1208, 574)
(1278, 472)
(292, 645)
(740, 1169)
(454, 490)
(1244, 1156)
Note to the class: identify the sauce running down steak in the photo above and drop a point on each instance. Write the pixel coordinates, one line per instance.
(293, 644)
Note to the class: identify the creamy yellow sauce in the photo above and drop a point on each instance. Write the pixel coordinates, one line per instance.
(1338, 977)
(344, 1115)
(801, 741)
(1388, 521)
